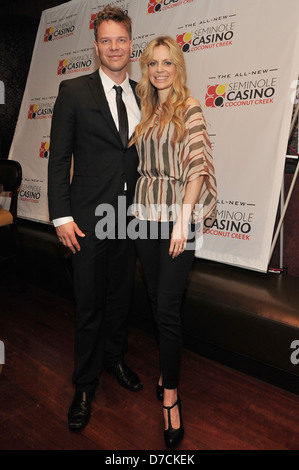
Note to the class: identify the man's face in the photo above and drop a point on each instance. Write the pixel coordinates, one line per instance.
(113, 47)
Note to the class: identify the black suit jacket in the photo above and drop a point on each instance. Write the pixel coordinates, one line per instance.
(82, 126)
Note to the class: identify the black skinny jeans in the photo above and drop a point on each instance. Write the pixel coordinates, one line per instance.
(165, 279)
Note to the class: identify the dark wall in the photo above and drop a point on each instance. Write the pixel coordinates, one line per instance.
(16, 45)
(19, 22)
(31, 8)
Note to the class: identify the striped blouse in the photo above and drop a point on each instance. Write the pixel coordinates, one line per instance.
(166, 167)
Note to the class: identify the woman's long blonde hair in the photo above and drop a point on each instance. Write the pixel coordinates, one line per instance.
(174, 106)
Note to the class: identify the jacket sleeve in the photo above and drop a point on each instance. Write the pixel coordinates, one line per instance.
(62, 139)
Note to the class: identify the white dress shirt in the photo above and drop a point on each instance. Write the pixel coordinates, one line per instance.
(133, 112)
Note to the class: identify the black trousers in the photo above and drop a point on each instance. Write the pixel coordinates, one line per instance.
(165, 279)
(103, 285)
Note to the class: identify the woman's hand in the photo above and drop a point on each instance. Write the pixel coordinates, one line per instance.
(179, 239)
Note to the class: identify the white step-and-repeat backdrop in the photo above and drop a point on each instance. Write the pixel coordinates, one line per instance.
(242, 62)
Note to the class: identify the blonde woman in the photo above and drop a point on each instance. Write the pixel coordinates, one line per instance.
(176, 174)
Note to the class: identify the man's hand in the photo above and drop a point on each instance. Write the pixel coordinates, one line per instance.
(67, 235)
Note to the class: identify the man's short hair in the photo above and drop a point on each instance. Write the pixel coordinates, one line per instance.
(113, 14)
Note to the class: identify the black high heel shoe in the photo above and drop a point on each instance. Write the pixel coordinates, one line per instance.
(173, 436)
(160, 392)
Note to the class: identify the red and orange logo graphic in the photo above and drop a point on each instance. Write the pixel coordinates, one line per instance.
(184, 40)
(32, 111)
(154, 6)
(62, 67)
(48, 36)
(215, 96)
(44, 150)
(91, 21)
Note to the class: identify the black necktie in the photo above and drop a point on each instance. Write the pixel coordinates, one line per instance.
(122, 116)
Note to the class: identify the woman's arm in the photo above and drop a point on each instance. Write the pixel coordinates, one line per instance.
(180, 231)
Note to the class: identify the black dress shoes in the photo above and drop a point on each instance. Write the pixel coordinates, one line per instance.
(79, 412)
(126, 377)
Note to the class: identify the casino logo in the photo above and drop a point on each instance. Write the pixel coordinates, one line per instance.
(31, 191)
(48, 36)
(184, 40)
(40, 111)
(32, 113)
(91, 21)
(249, 88)
(154, 6)
(81, 63)
(44, 150)
(215, 96)
(62, 67)
(59, 31)
(208, 34)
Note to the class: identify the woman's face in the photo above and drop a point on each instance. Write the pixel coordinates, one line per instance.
(161, 69)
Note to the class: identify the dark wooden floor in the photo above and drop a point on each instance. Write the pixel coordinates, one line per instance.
(223, 409)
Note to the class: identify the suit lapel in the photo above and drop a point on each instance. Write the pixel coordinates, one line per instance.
(99, 96)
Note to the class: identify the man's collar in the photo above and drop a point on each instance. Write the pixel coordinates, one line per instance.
(108, 83)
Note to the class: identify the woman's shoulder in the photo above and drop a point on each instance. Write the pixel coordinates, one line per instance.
(192, 102)
(193, 109)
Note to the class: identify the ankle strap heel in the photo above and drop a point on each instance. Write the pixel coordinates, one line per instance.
(173, 436)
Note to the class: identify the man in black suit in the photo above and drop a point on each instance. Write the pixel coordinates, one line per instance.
(86, 124)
